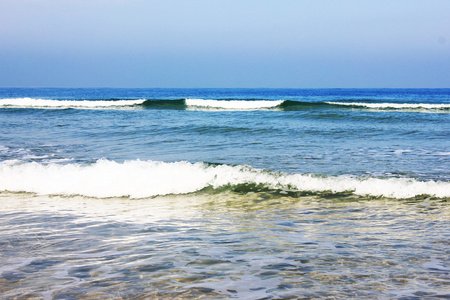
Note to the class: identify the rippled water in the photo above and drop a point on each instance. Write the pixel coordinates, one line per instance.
(254, 246)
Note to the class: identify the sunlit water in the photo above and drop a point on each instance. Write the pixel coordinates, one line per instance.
(255, 246)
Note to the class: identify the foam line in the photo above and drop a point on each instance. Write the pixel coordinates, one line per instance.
(45, 103)
(233, 104)
(140, 179)
(393, 105)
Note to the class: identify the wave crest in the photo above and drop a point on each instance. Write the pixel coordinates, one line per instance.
(233, 104)
(62, 104)
(396, 106)
(140, 179)
(224, 104)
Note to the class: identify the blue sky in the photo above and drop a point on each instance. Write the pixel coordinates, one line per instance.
(218, 43)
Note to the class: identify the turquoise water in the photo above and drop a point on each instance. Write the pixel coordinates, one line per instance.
(224, 193)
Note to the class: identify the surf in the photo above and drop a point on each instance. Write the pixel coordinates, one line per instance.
(213, 104)
(141, 179)
(393, 106)
(222, 105)
(233, 104)
(64, 104)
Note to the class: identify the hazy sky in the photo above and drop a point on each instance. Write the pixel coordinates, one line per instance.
(225, 43)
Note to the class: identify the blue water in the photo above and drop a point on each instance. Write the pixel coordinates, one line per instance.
(278, 184)
(326, 140)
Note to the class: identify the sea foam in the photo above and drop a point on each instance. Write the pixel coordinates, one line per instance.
(140, 179)
(233, 104)
(46, 103)
(398, 106)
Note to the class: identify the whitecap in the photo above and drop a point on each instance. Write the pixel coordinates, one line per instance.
(62, 104)
(140, 179)
(232, 104)
(398, 106)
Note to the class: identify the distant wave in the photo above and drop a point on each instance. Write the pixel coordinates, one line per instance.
(397, 106)
(140, 179)
(45, 103)
(205, 104)
(233, 104)
(218, 104)
(287, 105)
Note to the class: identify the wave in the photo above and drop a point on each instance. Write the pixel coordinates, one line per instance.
(62, 104)
(288, 105)
(180, 104)
(141, 179)
(222, 104)
(205, 104)
(396, 106)
(233, 104)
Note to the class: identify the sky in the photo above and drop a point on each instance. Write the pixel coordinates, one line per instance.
(225, 43)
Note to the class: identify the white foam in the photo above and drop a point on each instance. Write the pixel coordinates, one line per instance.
(140, 179)
(233, 104)
(394, 105)
(45, 103)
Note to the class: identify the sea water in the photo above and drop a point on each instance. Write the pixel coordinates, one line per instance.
(224, 193)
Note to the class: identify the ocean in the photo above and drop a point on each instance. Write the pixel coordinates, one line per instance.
(224, 193)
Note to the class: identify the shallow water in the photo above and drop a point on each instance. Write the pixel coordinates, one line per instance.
(231, 245)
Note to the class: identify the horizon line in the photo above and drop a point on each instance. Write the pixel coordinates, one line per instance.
(290, 88)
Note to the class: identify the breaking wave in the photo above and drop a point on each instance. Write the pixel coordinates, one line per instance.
(234, 104)
(396, 106)
(204, 104)
(141, 179)
(223, 104)
(62, 104)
